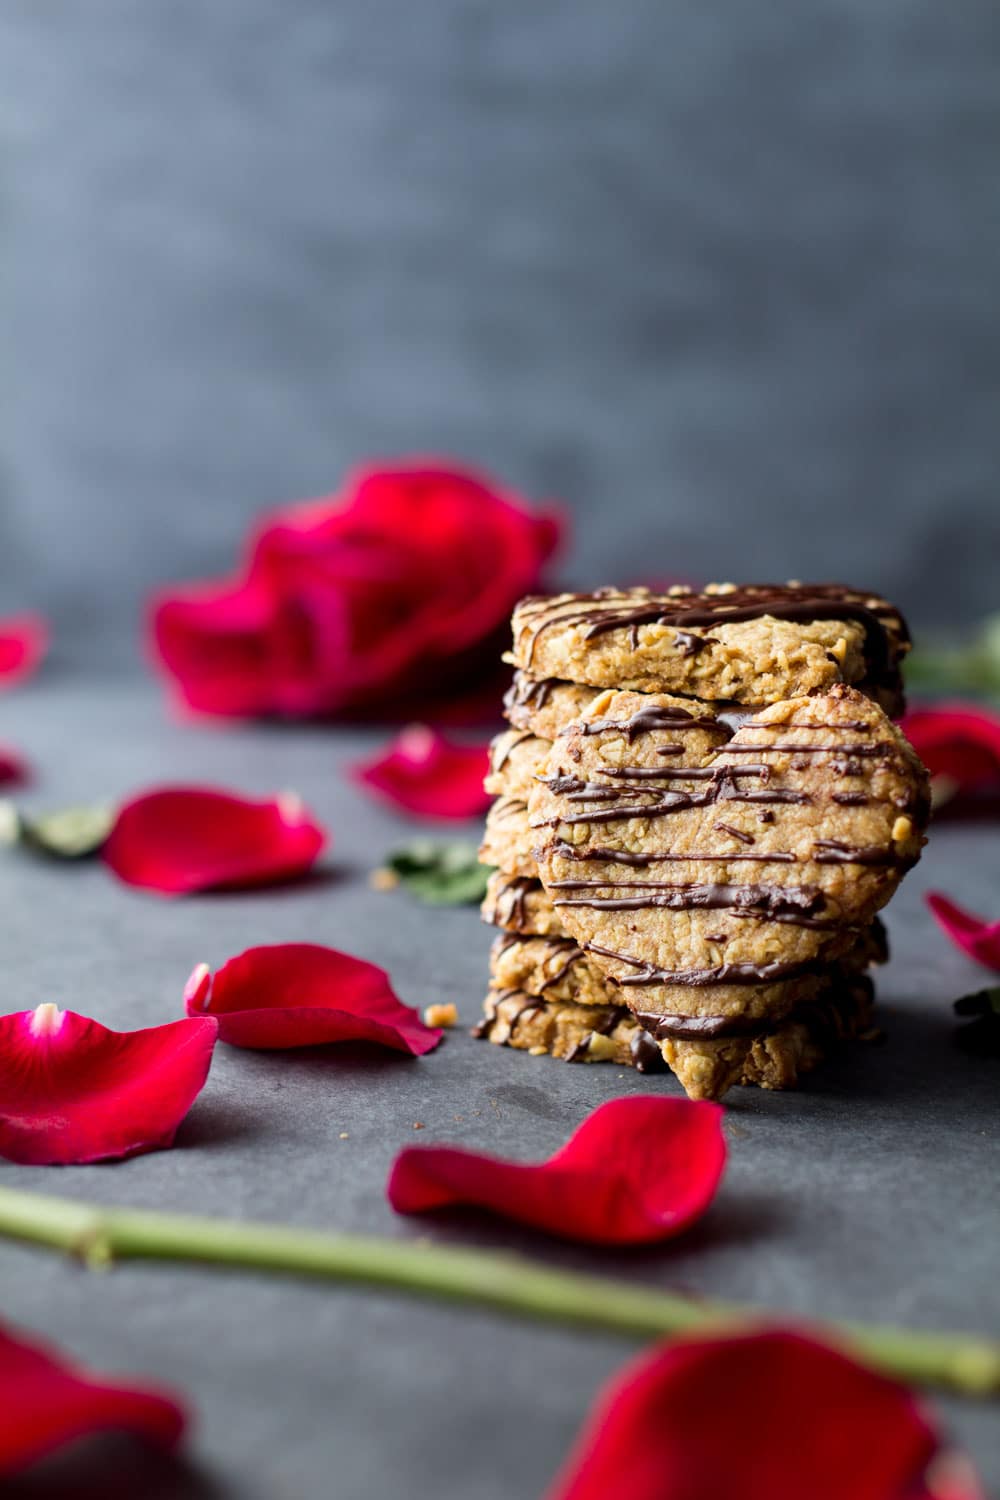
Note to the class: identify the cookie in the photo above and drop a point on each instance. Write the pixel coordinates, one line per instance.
(518, 904)
(508, 839)
(542, 705)
(777, 1058)
(575, 1033)
(517, 757)
(558, 969)
(757, 644)
(554, 968)
(716, 874)
(707, 1068)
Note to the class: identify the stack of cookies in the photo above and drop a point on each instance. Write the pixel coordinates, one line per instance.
(701, 805)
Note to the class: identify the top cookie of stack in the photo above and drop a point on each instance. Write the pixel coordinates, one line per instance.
(724, 655)
(756, 645)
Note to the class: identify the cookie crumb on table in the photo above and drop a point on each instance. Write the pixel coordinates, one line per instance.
(441, 1015)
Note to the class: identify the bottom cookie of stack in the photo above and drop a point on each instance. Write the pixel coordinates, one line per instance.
(706, 1067)
(546, 997)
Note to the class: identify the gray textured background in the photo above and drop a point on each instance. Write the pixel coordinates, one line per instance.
(719, 277)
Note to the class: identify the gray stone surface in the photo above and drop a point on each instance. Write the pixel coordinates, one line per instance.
(718, 276)
(870, 1194)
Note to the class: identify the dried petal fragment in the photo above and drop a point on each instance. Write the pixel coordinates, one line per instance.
(13, 767)
(430, 776)
(24, 640)
(47, 1402)
(959, 742)
(636, 1171)
(183, 838)
(974, 935)
(72, 1091)
(302, 995)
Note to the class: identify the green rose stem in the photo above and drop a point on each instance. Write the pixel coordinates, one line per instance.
(99, 1236)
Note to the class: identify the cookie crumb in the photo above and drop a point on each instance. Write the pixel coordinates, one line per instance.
(383, 879)
(418, 1124)
(441, 1015)
(344, 1135)
(901, 830)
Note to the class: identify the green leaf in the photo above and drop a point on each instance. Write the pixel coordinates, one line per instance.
(981, 1035)
(69, 833)
(980, 1003)
(441, 874)
(956, 667)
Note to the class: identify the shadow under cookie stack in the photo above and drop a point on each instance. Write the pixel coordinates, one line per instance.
(701, 805)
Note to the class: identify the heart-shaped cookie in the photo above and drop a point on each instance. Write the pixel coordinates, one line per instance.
(719, 875)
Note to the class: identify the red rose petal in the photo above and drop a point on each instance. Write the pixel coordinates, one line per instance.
(426, 774)
(975, 936)
(762, 1416)
(182, 839)
(73, 1091)
(24, 640)
(958, 740)
(47, 1402)
(636, 1171)
(301, 995)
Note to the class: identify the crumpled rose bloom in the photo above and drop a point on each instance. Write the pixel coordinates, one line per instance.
(975, 936)
(71, 1091)
(364, 602)
(183, 838)
(427, 775)
(762, 1416)
(303, 995)
(636, 1171)
(24, 640)
(960, 744)
(48, 1402)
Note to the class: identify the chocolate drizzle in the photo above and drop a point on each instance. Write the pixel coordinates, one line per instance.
(830, 1016)
(494, 1000)
(578, 1049)
(528, 693)
(573, 954)
(646, 1055)
(514, 892)
(645, 720)
(647, 973)
(604, 611)
(833, 852)
(883, 748)
(625, 857)
(796, 904)
(736, 833)
(733, 719)
(695, 1028)
(623, 795)
(505, 808)
(497, 762)
(567, 947)
(692, 645)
